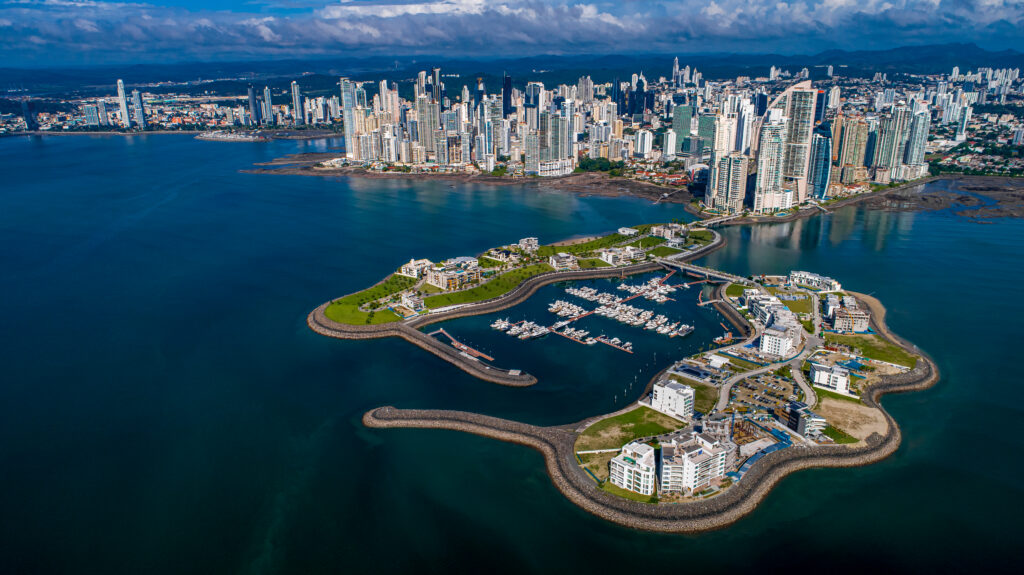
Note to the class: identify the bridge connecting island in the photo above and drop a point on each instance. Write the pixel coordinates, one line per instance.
(797, 386)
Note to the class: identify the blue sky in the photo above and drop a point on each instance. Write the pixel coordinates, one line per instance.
(42, 32)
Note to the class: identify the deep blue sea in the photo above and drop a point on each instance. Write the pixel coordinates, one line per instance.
(165, 409)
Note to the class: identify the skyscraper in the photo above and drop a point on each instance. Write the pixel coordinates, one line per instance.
(769, 195)
(797, 104)
(28, 115)
(892, 141)
(506, 96)
(101, 109)
(298, 113)
(122, 100)
(268, 107)
(682, 120)
(729, 184)
(138, 110)
(255, 117)
(348, 118)
(917, 140)
(92, 115)
(821, 163)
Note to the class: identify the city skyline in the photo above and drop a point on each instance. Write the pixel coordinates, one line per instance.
(94, 32)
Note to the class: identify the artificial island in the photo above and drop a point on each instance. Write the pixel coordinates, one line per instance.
(792, 383)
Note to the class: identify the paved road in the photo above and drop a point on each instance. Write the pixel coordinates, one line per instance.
(812, 341)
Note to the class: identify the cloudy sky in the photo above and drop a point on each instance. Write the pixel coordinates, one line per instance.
(41, 32)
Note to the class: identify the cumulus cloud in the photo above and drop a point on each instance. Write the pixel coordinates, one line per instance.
(54, 30)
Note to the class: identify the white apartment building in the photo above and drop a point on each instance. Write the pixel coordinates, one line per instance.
(814, 280)
(669, 231)
(628, 231)
(673, 399)
(689, 463)
(833, 377)
(634, 469)
(563, 262)
(529, 244)
(415, 268)
(779, 342)
(614, 256)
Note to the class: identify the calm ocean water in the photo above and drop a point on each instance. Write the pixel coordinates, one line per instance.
(164, 409)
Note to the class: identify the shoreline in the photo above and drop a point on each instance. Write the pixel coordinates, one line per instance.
(809, 211)
(584, 183)
(557, 445)
(409, 330)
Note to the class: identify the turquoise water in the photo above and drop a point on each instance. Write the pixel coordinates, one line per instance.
(164, 408)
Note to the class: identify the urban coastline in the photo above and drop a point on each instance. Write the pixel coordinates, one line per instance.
(831, 351)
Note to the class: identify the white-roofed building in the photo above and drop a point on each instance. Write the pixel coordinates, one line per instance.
(834, 377)
(673, 399)
(633, 469)
(689, 463)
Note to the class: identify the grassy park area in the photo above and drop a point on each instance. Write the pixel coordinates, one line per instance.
(663, 251)
(874, 347)
(486, 262)
(648, 242)
(499, 285)
(591, 263)
(839, 436)
(582, 248)
(735, 290)
(619, 430)
(626, 494)
(699, 237)
(802, 305)
(346, 309)
(823, 393)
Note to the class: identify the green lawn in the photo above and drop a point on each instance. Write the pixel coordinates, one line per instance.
(704, 396)
(808, 325)
(499, 285)
(663, 251)
(621, 429)
(592, 245)
(626, 494)
(428, 289)
(838, 435)
(699, 237)
(798, 305)
(874, 347)
(784, 371)
(346, 309)
(593, 263)
(648, 242)
(736, 290)
(486, 262)
(823, 393)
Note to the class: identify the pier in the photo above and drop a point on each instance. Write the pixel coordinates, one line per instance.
(461, 346)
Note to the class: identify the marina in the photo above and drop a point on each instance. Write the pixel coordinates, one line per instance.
(611, 306)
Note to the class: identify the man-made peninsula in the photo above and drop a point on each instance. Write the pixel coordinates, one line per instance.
(797, 386)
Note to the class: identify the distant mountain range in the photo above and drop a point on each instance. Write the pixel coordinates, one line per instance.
(321, 75)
